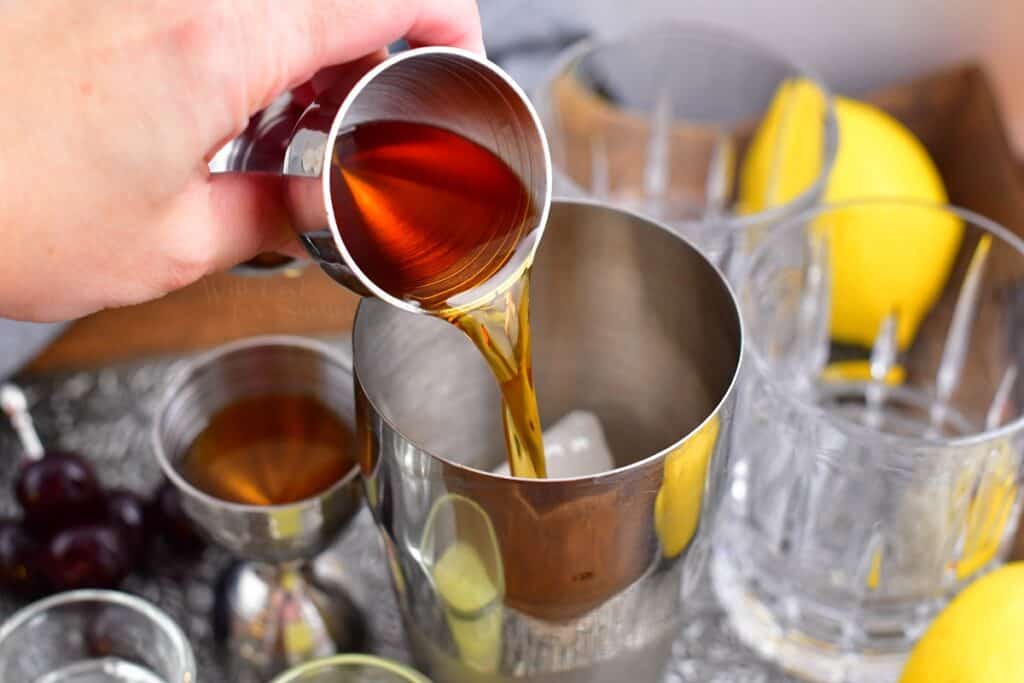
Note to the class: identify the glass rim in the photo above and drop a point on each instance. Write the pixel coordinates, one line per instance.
(798, 223)
(571, 56)
(182, 647)
(326, 664)
(181, 378)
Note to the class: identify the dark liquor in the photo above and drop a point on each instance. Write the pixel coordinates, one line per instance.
(430, 216)
(269, 450)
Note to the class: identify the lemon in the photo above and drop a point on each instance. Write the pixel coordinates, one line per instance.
(860, 371)
(976, 639)
(884, 259)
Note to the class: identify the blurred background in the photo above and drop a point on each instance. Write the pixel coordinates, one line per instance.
(855, 45)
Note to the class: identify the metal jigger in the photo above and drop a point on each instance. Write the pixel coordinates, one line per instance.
(276, 613)
(441, 86)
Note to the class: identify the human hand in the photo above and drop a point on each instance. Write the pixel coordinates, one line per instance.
(111, 111)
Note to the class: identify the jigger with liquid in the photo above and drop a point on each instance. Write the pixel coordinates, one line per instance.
(278, 610)
(427, 184)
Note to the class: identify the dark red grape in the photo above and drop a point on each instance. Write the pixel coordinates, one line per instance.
(57, 491)
(173, 524)
(127, 512)
(89, 556)
(19, 559)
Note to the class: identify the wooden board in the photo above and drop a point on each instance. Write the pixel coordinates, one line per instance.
(215, 310)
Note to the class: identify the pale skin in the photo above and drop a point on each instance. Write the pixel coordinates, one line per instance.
(110, 110)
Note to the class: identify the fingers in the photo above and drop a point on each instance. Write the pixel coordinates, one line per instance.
(238, 216)
(301, 37)
(345, 76)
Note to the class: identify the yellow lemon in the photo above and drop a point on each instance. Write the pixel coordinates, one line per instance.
(976, 639)
(883, 259)
(860, 371)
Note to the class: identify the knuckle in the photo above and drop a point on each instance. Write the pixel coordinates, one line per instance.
(180, 271)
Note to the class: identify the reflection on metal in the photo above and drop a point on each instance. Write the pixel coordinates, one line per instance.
(677, 506)
(460, 553)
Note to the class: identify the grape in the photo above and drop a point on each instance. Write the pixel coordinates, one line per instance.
(174, 525)
(88, 556)
(127, 512)
(58, 490)
(19, 559)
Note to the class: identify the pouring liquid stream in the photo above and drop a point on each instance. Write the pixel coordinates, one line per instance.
(431, 218)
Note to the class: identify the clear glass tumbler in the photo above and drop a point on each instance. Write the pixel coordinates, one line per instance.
(352, 669)
(92, 636)
(879, 436)
(663, 121)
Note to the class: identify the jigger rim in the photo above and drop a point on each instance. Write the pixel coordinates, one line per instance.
(799, 223)
(339, 118)
(180, 378)
(632, 467)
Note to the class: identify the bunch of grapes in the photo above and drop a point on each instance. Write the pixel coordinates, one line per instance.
(74, 534)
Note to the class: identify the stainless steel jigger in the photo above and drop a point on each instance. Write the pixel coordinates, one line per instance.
(568, 580)
(277, 613)
(446, 87)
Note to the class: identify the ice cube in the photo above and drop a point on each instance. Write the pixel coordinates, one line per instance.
(574, 446)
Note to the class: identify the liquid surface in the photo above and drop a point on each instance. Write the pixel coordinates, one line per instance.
(429, 216)
(269, 450)
(102, 670)
(426, 213)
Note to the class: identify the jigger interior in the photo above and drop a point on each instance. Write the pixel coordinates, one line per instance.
(274, 593)
(560, 579)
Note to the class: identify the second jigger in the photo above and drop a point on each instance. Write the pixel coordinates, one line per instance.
(256, 435)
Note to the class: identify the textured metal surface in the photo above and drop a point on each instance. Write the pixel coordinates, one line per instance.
(106, 414)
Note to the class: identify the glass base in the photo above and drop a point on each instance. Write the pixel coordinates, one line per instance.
(762, 628)
(271, 618)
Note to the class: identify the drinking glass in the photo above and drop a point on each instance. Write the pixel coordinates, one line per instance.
(871, 484)
(661, 119)
(94, 636)
(352, 669)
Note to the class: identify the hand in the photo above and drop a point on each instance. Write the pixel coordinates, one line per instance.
(109, 115)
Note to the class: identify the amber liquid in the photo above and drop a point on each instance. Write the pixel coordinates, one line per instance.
(269, 450)
(431, 218)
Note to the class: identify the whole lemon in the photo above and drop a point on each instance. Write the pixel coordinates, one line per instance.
(976, 639)
(883, 259)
